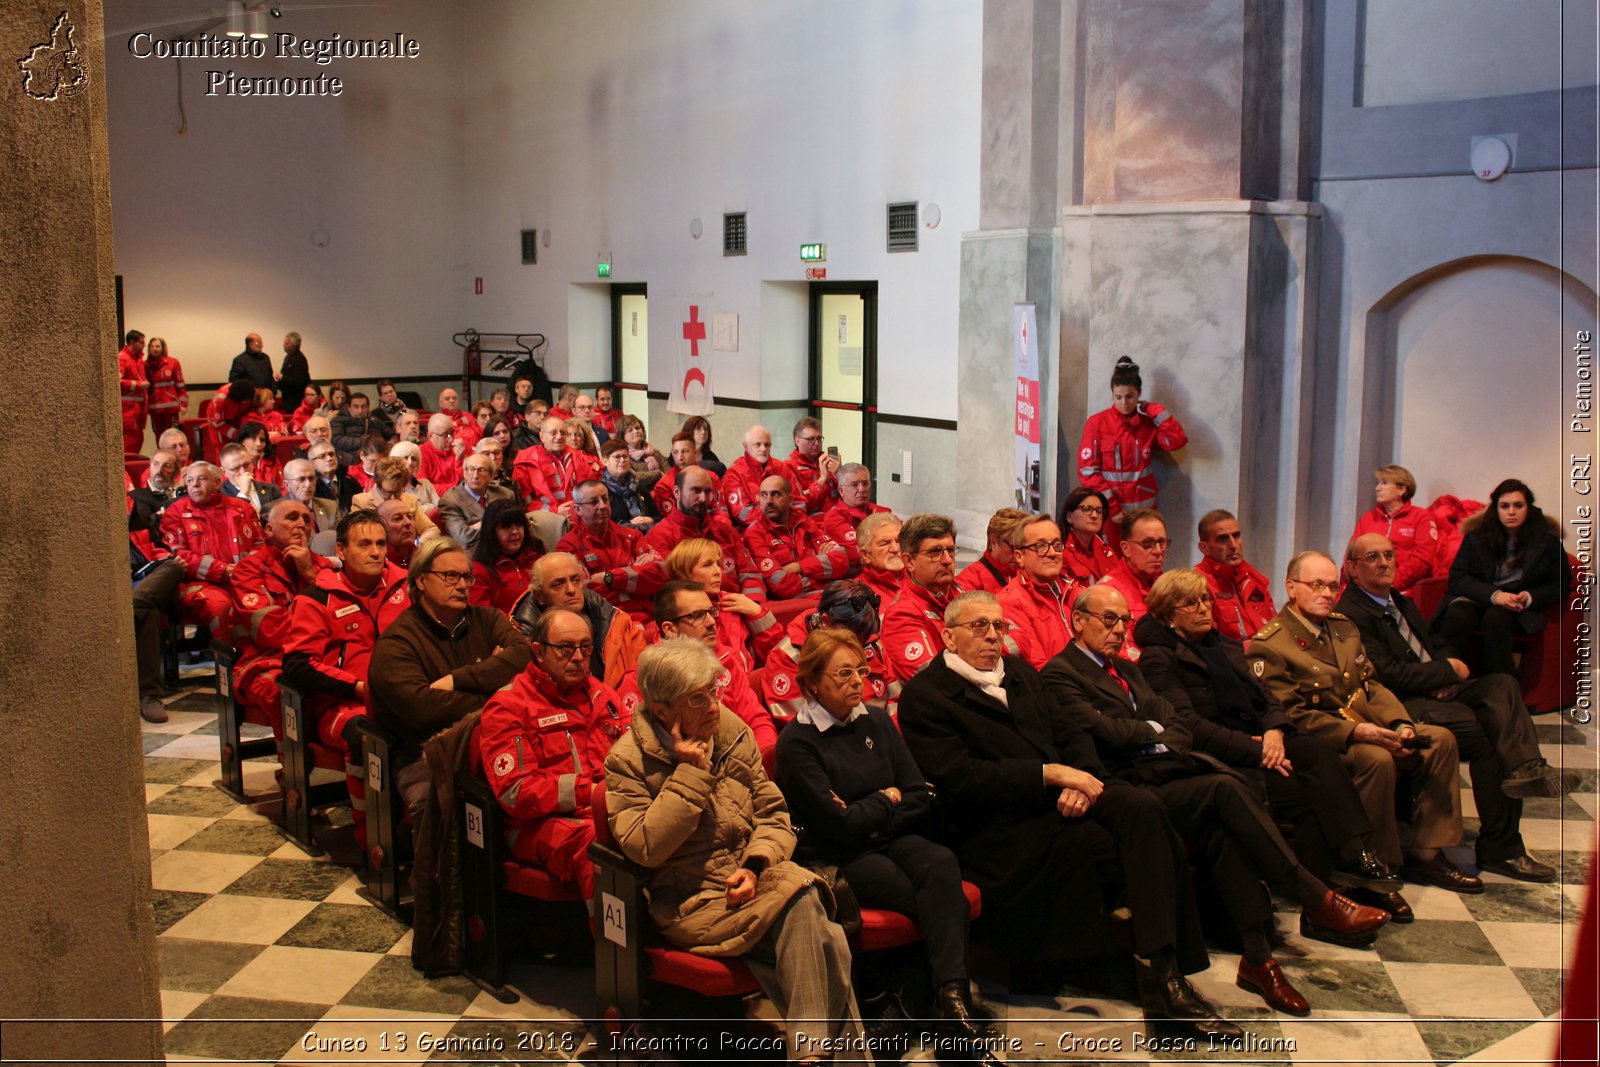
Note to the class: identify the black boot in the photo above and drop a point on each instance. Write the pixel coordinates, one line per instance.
(953, 1003)
(1167, 998)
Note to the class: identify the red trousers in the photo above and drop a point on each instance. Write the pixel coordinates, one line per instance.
(133, 428)
(255, 683)
(330, 732)
(559, 844)
(162, 421)
(208, 605)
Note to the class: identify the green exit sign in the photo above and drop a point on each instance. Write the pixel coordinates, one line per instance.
(603, 270)
(813, 253)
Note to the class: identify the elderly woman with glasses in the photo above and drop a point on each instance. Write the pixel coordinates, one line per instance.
(687, 797)
(1232, 717)
(425, 492)
(850, 780)
(853, 606)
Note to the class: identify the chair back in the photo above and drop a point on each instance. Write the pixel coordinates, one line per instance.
(597, 812)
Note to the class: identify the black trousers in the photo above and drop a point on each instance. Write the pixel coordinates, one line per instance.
(1495, 735)
(1496, 626)
(151, 594)
(1240, 842)
(1155, 871)
(1319, 799)
(922, 879)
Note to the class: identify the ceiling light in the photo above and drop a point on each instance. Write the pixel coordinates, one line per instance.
(235, 18)
(258, 25)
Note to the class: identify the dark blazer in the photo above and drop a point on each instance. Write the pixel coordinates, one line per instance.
(350, 430)
(1179, 671)
(458, 511)
(1091, 701)
(1399, 668)
(263, 494)
(1545, 573)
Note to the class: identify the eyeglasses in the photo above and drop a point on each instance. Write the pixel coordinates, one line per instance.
(1109, 618)
(1386, 554)
(695, 618)
(447, 434)
(1153, 544)
(938, 553)
(320, 456)
(1203, 600)
(806, 439)
(979, 627)
(1046, 548)
(702, 699)
(452, 577)
(568, 649)
(1318, 587)
(1091, 509)
(844, 674)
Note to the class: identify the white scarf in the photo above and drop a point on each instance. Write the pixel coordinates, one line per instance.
(988, 681)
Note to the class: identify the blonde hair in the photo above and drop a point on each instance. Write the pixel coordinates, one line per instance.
(1398, 475)
(1172, 588)
(687, 554)
(819, 648)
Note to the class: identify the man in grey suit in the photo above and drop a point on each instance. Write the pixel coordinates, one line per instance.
(461, 509)
(300, 483)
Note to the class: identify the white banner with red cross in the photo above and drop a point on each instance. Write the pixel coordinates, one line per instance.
(691, 392)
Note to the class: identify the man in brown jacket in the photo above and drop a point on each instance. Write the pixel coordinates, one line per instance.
(441, 659)
(1311, 659)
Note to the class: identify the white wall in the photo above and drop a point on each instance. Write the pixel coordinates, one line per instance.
(613, 125)
(213, 226)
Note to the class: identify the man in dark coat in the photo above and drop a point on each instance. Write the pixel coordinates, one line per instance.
(254, 366)
(1036, 828)
(1486, 714)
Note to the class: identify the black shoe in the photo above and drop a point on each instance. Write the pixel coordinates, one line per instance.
(1442, 873)
(1393, 903)
(1536, 778)
(1523, 868)
(953, 1004)
(1366, 871)
(1172, 1000)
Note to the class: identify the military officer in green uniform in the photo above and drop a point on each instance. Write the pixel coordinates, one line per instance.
(1311, 659)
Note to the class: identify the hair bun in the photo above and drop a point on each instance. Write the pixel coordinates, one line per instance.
(1127, 363)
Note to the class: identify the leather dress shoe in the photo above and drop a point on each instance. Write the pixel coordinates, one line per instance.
(152, 710)
(1393, 903)
(1536, 778)
(1172, 1000)
(1366, 871)
(1524, 868)
(1270, 983)
(1342, 921)
(1442, 873)
(953, 1003)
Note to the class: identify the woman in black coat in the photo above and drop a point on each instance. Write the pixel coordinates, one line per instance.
(1207, 679)
(1510, 568)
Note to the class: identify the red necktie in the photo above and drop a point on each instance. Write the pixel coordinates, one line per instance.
(1119, 679)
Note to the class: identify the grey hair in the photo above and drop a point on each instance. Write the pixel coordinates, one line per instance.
(422, 562)
(404, 449)
(870, 524)
(675, 667)
(952, 610)
(847, 469)
(211, 469)
(1293, 573)
(536, 575)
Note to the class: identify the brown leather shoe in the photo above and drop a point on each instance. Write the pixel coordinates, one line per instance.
(1442, 873)
(1342, 921)
(1393, 903)
(1270, 983)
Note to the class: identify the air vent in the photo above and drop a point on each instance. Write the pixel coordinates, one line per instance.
(733, 234)
(530, 246)
(903, 227)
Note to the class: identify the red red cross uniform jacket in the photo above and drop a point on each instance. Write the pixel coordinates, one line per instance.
(840, 521)
(987, 574)
(1241, 598)
(885, 583)
(544, 478)
(1415, 537)
(781, 691)
(634, 569)
(225, 417)
(913, 628)
(665, 493)
(814, 495)
(302, 415)
(737, 695)
(502, 585)
(169, 398)
(741, 486)
(333, 626)
(212, 537)
(468, 432)
(1040, 614)
(1086, 564)
(135, 397)
(606, 420)
(1114, 455)
(264, 588)
(772, 546)
(439, 467)
(738, 568)
(542, 751)
(1134, 588)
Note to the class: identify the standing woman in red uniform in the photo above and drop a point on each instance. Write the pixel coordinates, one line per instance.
(169, 399)
(1115, 454)
(504, 556)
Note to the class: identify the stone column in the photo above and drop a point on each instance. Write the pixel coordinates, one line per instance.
(78, 930)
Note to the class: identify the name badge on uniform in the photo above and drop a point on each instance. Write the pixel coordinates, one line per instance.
(348, 610)
(553, 720)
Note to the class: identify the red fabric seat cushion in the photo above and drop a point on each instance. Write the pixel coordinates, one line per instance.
(713, 976)
(529, 881)
(892, 929)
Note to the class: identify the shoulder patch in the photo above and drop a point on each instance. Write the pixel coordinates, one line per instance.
(1268, 630)
(1336, 615)
(1259, 667)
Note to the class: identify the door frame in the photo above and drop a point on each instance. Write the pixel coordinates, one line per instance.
(868, 291)
(618, 291)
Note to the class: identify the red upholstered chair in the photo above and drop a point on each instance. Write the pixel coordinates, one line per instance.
(287, 446)
(194, 429)
(1427, 594)
(785, 611)
(494, 883)
(1549, 682)
(137, 467)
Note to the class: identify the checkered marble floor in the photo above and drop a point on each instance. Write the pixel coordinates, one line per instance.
(269, 955)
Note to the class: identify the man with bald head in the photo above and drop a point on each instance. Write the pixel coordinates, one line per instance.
(543, 740)
(441, 462)
(559, 580)
(790, 550)
(741, 486)
(1312, 660)
(466, 427)
(1487, 715)
(300, 483)
(695, 516)
(253, 365)
(461, 509)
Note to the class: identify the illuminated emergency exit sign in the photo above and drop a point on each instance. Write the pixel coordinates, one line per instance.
(813, 253)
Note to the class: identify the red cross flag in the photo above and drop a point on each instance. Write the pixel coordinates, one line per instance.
(691, 392)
